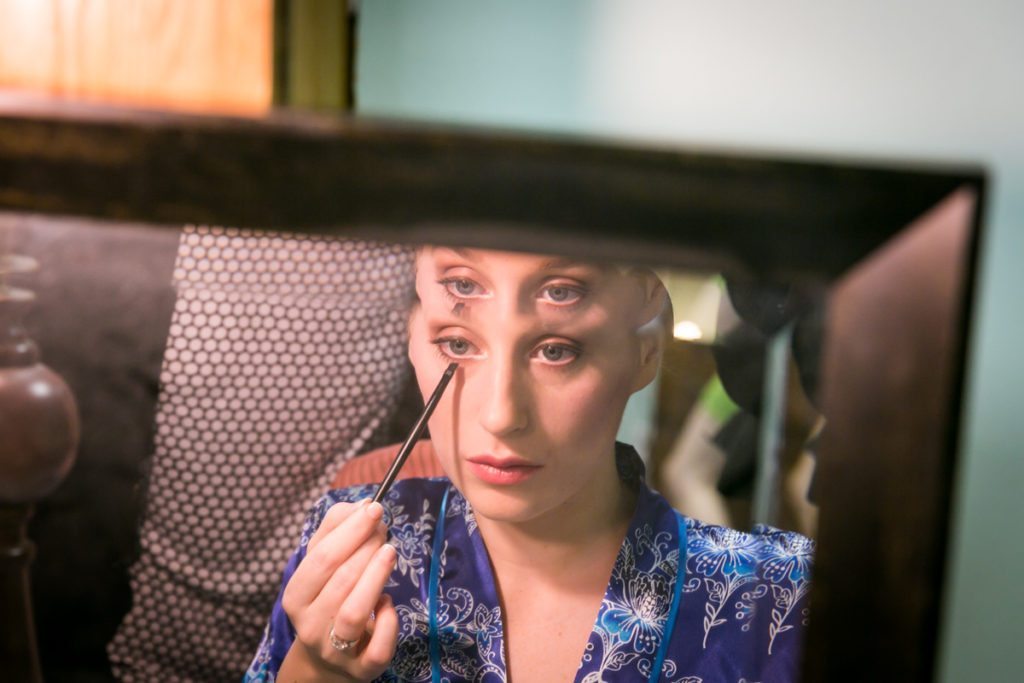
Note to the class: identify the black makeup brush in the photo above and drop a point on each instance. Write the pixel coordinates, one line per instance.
(417, 429)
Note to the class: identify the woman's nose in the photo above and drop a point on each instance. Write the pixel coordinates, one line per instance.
(504, 410)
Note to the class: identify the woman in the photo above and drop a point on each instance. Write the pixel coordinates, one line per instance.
(541, 556)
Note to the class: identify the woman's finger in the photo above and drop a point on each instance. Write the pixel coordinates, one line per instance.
(383, 636)
(333, 550)
(320, 564)
(336, 590)
(334, 516)
(370, 655)
(350, 620)
(308, 619)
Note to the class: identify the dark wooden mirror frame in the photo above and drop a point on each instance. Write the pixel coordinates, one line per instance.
(901, 296)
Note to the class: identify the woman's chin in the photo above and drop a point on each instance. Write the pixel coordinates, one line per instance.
(502, 506)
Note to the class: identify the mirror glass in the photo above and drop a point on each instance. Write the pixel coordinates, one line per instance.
(224, 377)
(736, 410)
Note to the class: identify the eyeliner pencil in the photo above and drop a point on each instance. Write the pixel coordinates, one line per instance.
(417, 430)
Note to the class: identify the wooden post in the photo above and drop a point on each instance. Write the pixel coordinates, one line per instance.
(39, 427)
(18, 649)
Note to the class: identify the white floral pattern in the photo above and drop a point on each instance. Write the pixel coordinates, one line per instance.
(787, 570)
(725, 560)
(460, 507)
(411, 538)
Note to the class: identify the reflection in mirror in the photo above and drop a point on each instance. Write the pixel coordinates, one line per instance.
(737, 410)
(284, 370)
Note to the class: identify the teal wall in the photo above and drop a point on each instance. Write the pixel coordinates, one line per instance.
(919, 79)
(510, 63)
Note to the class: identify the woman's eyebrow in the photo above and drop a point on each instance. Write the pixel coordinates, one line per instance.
(446, 313)
(448, 316)
(556, 262)
(563, 263)
(461, 252)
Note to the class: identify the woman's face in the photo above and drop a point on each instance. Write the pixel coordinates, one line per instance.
(549, 352)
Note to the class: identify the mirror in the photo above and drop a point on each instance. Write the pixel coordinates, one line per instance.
(837, 240)
(284, 355)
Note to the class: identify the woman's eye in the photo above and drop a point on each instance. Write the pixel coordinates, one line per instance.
(562, 295)
(556, 354)
(463, 288)
(456, 347)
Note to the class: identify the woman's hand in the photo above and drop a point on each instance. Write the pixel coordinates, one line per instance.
(338, 589)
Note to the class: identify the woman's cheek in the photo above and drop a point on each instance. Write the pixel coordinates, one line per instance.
(608, 397)
(440, 437)
(573, 407)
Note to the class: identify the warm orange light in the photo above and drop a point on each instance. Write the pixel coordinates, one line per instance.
(183, 54)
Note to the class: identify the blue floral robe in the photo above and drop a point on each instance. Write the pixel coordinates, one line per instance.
(737, 614)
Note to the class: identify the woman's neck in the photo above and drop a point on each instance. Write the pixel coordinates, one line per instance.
(580, 537)
(552, 572)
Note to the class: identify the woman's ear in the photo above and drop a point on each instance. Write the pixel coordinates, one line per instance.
(653, 333)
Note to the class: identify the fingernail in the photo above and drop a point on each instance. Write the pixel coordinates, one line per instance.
(375, 510)
(387, 552)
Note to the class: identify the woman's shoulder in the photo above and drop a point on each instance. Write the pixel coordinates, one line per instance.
(772, 553)
(766, 552)
(371, 467)
(758, 533)
(761, 544)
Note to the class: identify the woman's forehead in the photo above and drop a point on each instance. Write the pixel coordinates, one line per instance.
(506, 262)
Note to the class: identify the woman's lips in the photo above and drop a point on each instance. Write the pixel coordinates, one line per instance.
(501, 471)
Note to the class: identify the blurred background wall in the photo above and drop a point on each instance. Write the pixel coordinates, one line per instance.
(916, 80)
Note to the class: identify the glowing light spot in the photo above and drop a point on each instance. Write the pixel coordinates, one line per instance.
(687, 330)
